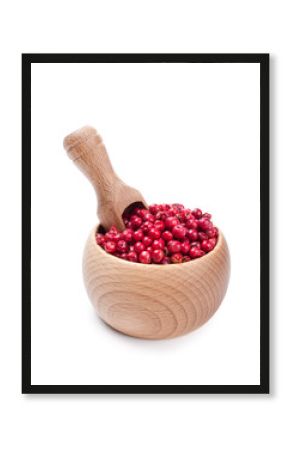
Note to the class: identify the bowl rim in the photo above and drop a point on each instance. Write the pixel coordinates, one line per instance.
(219, 244)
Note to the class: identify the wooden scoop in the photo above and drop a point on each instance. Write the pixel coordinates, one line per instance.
(85, 147)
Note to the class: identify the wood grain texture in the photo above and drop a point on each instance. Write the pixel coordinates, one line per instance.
(151, 301)
(85, 147)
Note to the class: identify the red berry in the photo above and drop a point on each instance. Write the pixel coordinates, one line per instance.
(114, 229)
(149, 217)
(116, 237)
(142, 212)
(165, 260)
(192, 235)
(100, 238)
(197, 213)
(206, 245)
(154, 233)
(136, 222)
(191, 223)
(158, 244)
(146, 226)
(195, 252)
(202, 236)
(186, 214)
(177, 258)
(127, 235)
(179, 231)
(173, 246)
(206, 216)
(195, 244)
(112, 235)
(167, 235)
(212, 232)
(139, 247)
(172, 212)
(145, 257)
(213, 242)
(184, 247)
(186, 258)
(161, 215)
(149, 249)
(110, 247)
(154, 208)
(204, 224)
(171, 222)
(138, 235)
(157, 255)
(121, 255)
(109, 236)
(159, 225)
(132, 256)
(147, 241)
(178, 206)
(122, 246)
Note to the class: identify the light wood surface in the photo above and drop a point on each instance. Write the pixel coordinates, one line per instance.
(85, 147)
(151, 301)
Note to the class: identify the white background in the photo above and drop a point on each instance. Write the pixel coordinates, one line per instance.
(184, 133)
(83, 421)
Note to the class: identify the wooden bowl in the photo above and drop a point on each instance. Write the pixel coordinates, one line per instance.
(155, 301)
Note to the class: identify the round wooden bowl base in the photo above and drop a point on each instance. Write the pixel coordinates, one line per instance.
(152, 301)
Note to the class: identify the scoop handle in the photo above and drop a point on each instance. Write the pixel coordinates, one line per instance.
(85, 147)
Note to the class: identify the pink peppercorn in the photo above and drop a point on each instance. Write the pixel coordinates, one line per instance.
(139, 247)
(145, 257)
(179, 231)
(110, 247)
(122, 246)
(174, 246)
(154, 233)
(177, 258)
(157, 255)
(162, 234)
(132, 256)
(138, 235)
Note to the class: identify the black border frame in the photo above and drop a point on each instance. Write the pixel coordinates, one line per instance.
(260, 58)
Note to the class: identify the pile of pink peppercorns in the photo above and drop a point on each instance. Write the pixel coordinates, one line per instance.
(162, 234)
